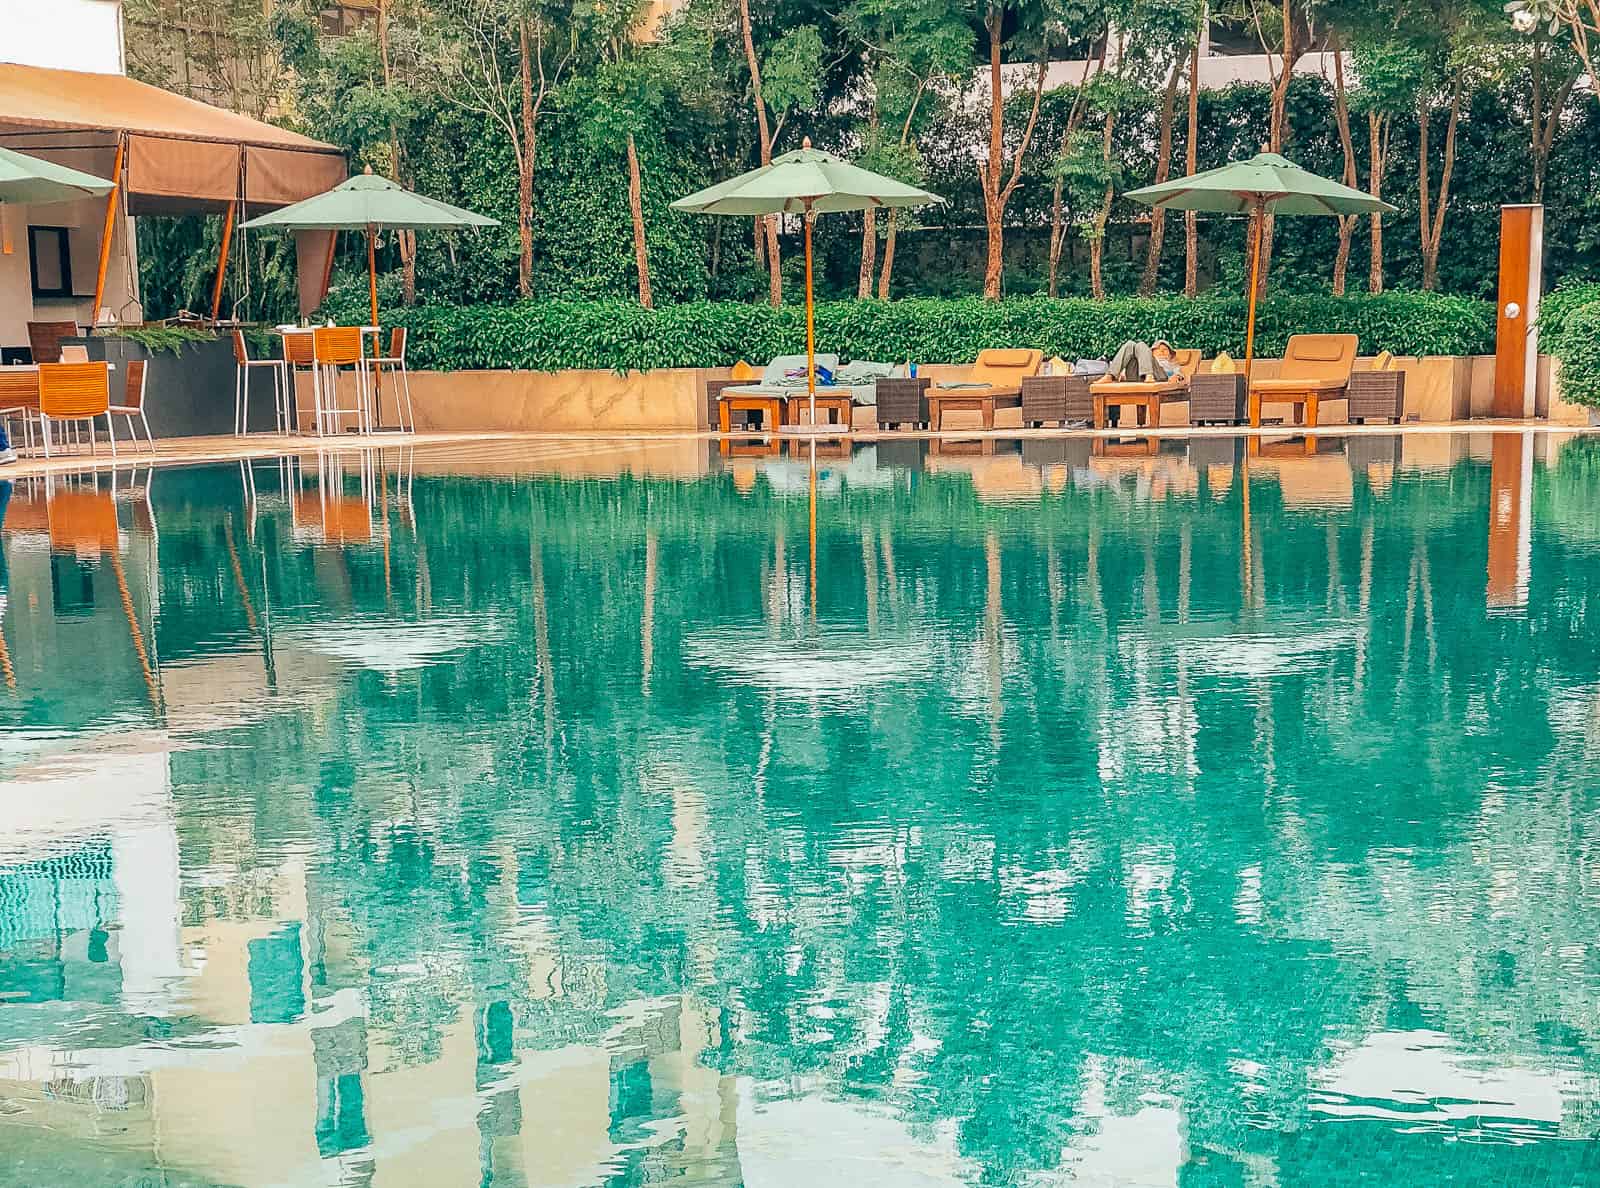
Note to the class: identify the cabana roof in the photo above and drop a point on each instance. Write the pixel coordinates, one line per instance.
(182, 156)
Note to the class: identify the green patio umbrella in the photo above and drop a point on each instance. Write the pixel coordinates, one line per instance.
(369, 203)
(808, 182)
(30, 179)
(1252, 187)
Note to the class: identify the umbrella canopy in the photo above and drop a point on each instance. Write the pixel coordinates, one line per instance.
(1266, 178)
(368, 202)
(805, 180)
(810, 182)
(1265, 182)
(28, 179)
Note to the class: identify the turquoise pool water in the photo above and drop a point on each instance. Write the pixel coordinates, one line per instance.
(561, 815)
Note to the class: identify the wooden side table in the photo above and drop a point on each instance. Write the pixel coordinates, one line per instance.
(982, 402)
(836, 406)
(770, 408)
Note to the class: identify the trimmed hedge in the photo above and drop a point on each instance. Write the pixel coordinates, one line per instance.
(623, 336)
(1569, 329)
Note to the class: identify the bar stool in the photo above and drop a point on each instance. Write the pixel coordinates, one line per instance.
(335, 347)
(133, 403)
(244, 365)
(75, 392)
(395, 361)
(299, 355)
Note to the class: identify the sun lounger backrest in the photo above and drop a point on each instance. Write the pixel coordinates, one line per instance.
(1005, 368)
(1319, 357)
(1188, 361)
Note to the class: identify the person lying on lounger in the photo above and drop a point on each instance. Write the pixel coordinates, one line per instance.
(1139, 362)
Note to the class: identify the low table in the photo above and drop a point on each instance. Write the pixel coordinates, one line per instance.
(982, 401)
(769, 406)
(838, 407)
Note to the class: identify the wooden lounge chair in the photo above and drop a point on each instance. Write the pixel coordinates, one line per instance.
(1316, 367)
(1145, 396)
(995, 382)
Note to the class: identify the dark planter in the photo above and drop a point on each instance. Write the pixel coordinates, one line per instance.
(189, 393)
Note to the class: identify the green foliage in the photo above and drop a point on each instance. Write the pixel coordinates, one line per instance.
(1569, 329)
(158, 339)
(621, 336)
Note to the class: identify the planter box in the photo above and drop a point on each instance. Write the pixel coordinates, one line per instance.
(189, 393)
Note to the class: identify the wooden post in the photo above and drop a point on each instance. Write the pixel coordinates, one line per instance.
(372, 270)
(1516, 349)
(811, 324)
(1250, 325)
(110, 228)
(222, 258)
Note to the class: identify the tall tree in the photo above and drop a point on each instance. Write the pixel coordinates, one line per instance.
(1176, 39)
(504, 59)
(1033, 25)
(1191, 161)
(622, 101)
(911, 49)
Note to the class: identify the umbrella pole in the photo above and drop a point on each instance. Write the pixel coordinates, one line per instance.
(1250, 326)
(811, 325)
(372, 271)
(377, 346)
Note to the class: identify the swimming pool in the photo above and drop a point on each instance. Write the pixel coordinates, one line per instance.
(1034, 812)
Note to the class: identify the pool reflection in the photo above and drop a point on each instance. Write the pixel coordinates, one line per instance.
(1154, 811)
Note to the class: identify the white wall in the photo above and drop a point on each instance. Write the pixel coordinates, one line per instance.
(63, 34)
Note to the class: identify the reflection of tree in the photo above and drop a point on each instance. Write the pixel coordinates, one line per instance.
(1131, 858)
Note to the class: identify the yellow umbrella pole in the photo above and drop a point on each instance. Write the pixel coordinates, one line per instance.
(811, 325)
(1250, 325)
(372, 270)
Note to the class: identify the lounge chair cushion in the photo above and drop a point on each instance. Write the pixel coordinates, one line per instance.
(1289, 386)
(1005, 368)
(1319, 358)
(1109, 387)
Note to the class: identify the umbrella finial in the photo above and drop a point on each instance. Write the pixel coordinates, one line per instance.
(367, 171)
(805, 143)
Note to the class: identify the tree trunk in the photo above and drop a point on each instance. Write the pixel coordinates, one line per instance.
(641, 255)
(1347, 223)
(995, 193)
(1377, 150)
(1097, 245)
(993, 211)
(1058, 234)
(869, 253)
(1191, 221)
(1536, 107)
(1290, 50)
(1432, 216)
(888, 259)
(1152, 256)
(406, 240)
(1058, 226)
(774, 262)
(525, 170)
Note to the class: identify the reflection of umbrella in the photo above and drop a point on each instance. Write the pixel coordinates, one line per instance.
(369, 203)
(810, 182)
(28, 179)
(1251, 187)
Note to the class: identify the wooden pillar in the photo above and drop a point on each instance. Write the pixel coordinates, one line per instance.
(1516, 353)
(222, 259)
(109, 231)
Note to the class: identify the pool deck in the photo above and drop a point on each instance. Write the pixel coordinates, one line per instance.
(198, 450)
